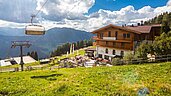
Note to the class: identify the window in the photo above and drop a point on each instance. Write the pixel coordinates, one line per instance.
(109, 34)
(128, 35)
(122, 45)
(114, 44)
(114, 52)
(106, 51)
(106, 57)
(124, 35)
(100, 55)
(122, 53)
(116, 34)
(106, 42)
(101, 35)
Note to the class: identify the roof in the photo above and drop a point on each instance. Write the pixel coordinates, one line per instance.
(135, 29)
(143, 29)
(118, 27)
(5, 63)
(26, 59)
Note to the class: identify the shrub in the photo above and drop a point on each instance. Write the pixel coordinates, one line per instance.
(129, 57)
(116, 61)
(143, 50)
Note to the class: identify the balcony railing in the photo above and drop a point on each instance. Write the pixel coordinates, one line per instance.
(109, 38)
(127, 47)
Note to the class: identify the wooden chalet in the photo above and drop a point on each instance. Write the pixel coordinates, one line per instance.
(112, 41)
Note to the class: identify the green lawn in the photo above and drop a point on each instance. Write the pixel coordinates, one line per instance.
(80, 52)
(97, 81)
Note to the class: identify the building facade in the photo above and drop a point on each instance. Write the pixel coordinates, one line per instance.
(115, 41)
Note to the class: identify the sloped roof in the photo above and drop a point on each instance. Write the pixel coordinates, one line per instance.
(5, 63)
(143, 29)
(135, 29)
(26, 59)
(114, 26)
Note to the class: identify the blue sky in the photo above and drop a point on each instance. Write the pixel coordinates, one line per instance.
(114, 5)
(86, 15)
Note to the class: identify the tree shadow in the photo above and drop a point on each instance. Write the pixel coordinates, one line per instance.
(46, 76)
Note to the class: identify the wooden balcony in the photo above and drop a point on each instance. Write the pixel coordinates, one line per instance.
(126, 46)
(110, 39)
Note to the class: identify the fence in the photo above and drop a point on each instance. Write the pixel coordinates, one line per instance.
(28, 68)
(156, 59)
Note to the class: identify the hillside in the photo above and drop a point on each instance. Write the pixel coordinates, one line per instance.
(98, 81)
(11, 31)
(42, 44)
(160, 19)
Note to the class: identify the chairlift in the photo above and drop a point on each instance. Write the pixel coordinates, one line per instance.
(34, 29)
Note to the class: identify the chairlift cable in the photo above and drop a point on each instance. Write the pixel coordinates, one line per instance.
(33, 16)
(34, 29)
(41, 7)
(74, 6)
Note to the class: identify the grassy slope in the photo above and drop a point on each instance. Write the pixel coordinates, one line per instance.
(117, 80)
(80, 52)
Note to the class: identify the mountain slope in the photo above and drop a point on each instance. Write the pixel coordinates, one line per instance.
(42, 44)
(160, 19)
(11, 31)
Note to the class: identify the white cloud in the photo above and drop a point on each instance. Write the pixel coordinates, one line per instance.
(127, 15)
(17, 10)
(146, 10)
(169, 3)
(4, 23)
(71, 13)
(62, 9)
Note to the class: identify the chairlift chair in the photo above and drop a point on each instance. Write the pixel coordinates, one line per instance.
(34, 29)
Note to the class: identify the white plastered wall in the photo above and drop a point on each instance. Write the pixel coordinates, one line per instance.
(101, 50)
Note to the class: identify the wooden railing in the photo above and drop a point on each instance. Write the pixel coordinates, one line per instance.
(119, 46)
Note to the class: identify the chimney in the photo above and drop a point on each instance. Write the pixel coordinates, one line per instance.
(142, 23)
